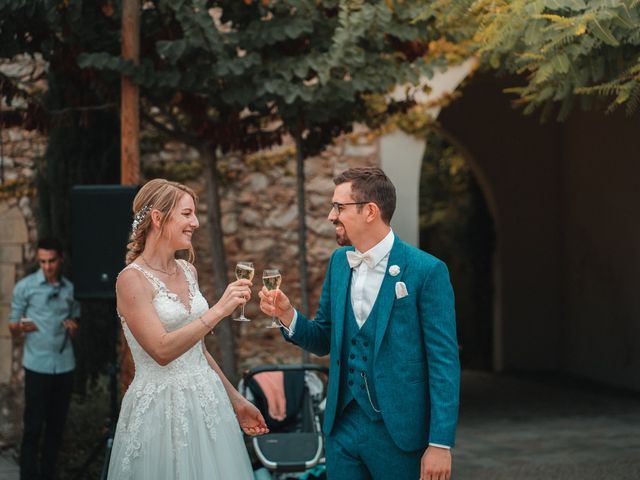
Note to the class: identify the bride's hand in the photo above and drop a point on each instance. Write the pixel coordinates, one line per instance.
(249, 417)
(236, 294)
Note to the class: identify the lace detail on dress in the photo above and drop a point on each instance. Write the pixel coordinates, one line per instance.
(179, 397)
(160, 288)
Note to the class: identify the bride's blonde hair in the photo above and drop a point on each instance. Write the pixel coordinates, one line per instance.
(158, 194)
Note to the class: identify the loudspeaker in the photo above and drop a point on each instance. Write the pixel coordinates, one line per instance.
(100, 225)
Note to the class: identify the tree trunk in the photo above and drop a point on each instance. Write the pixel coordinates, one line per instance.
(302, 233)
(224, 330)
(129, 97)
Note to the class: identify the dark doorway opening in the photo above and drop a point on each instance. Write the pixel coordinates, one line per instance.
(456, 226)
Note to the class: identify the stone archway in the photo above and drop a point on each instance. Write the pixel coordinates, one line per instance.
(457, 225)
(401, 157)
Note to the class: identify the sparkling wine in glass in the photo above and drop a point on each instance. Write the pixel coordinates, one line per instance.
(244, 270)
(271, 279)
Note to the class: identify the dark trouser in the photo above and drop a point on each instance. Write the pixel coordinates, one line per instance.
(47, 398)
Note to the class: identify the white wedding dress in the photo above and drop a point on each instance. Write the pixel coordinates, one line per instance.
(176, 422)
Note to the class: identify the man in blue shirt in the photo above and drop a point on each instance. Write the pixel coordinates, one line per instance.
(43, 315)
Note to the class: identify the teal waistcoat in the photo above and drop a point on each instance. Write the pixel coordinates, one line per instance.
(356, 379)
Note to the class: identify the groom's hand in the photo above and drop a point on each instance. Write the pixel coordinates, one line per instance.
(276, 304)
(436, 464)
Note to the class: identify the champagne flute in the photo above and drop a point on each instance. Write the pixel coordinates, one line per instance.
(271, 279)
(244, 270)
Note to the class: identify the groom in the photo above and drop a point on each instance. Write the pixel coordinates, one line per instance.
(387, 319)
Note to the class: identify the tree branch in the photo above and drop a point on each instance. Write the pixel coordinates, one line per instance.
(90, 108)
(177, 134)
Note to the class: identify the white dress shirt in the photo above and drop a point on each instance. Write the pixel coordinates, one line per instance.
(365, 282)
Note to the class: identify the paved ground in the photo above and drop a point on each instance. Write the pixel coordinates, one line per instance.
(532, 427)
(8, 468)
(535, 427)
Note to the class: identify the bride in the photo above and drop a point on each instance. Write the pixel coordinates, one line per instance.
(177, 418)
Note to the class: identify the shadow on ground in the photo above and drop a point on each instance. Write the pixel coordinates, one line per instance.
(545, 427)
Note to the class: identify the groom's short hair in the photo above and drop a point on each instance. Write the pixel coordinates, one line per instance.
(371, 184)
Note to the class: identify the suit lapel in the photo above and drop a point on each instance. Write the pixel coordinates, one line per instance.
(387, 293)
(340, 287)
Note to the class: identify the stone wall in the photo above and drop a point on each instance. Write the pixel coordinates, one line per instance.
(20, 150)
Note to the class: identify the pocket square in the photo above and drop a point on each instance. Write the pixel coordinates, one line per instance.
(401, 290)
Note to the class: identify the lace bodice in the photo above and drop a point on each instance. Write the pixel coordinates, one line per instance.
(173, 314)
(171, 391)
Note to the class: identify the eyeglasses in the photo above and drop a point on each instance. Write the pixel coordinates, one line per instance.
(338, 207)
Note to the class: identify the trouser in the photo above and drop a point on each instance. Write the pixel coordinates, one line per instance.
(361, 449)
(47, 398)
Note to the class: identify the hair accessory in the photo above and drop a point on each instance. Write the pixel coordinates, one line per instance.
(139, 217)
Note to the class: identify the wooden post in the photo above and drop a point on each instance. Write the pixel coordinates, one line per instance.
(129, 141)
(129, 106)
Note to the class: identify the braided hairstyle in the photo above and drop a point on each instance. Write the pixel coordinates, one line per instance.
(158, 194)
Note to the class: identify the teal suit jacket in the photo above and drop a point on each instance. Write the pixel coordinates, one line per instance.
(416, 367)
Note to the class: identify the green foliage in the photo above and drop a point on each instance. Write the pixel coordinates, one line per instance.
(75, 109)
(444, 188)
(229, 74)
(55, 31)
(567, 50)
(239, 75)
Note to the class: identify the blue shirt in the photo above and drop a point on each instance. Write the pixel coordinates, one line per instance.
(47, 305)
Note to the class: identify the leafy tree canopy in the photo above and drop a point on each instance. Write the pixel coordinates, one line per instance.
(240, 74)
(227, 75)
(566, 49)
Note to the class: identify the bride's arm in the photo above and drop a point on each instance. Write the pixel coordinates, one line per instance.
(249, 417)
(134, 300)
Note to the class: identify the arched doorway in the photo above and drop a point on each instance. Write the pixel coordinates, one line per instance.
(401, 157)
(456, 225)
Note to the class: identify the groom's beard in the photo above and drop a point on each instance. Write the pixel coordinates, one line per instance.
(342, 238)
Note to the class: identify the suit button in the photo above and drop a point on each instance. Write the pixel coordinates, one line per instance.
(351, 370)
(353, 342)
(352, 356)
(350, 382)
(366, 344)
(338, 362)
(362, 386)
(364, 358)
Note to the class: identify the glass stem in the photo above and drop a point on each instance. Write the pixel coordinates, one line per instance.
(275, 304)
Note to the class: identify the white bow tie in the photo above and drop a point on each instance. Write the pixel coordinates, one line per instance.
(355, 259)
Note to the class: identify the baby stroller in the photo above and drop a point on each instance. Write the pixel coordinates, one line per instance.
(291, 399)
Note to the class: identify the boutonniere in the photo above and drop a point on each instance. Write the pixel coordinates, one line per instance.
(394, 270)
